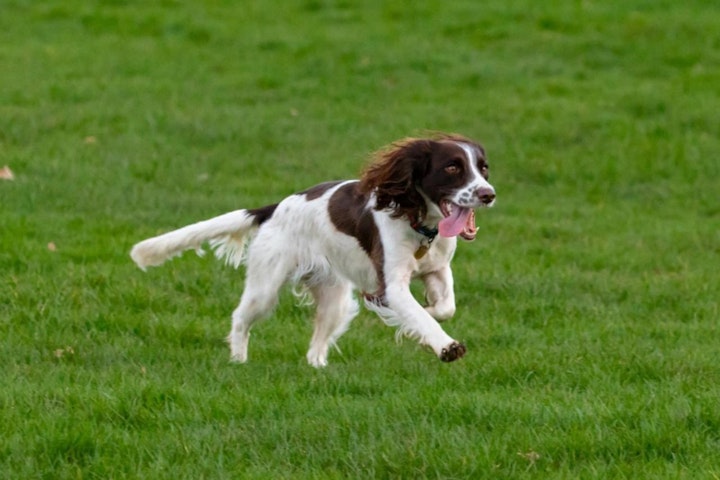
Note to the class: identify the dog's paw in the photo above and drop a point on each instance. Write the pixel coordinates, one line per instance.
(238, 358)
(317, 359)
(439, 313)
(452, 352)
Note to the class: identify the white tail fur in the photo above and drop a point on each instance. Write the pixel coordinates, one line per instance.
(228, 234)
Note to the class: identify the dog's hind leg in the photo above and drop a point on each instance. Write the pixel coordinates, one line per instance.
(262, 287)
(336, 307)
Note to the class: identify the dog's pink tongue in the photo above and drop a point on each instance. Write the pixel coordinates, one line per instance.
(454, 224)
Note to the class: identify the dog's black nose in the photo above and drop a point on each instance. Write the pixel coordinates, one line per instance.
(485, 194)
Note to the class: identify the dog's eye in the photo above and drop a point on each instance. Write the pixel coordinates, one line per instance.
(452, 169)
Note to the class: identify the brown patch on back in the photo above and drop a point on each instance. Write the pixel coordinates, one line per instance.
(262, 214)
(349, 213)
(313, 193)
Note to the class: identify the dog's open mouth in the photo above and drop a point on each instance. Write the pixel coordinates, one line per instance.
(458, 221)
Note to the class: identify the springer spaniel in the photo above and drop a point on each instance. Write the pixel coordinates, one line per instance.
(374, 234)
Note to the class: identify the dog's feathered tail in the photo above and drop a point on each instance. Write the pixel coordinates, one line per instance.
(227, 234)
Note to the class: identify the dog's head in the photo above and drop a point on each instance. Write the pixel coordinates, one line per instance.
(442, 179)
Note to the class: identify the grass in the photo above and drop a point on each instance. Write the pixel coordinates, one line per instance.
(588, 302)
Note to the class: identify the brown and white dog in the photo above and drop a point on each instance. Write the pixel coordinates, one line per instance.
(373, 235)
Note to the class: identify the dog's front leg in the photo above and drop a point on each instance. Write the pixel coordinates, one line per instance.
(416, 322)
(439, 293)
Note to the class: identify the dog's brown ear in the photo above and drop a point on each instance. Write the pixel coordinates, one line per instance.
(394, 174)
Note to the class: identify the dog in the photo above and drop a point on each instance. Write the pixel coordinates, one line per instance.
(399, 221)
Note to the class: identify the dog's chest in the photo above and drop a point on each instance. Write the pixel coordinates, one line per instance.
(438, 255)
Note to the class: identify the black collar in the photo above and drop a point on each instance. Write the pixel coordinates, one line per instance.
(427, 232)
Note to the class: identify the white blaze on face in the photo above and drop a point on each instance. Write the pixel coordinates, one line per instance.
(467, 196)
(458, 210)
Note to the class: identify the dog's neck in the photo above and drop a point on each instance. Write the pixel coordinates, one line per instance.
(428, 232)
(433, 214)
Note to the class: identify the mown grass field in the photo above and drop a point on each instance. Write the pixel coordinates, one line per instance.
(589, 302)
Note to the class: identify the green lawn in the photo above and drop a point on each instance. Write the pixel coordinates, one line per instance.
(589, 301)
